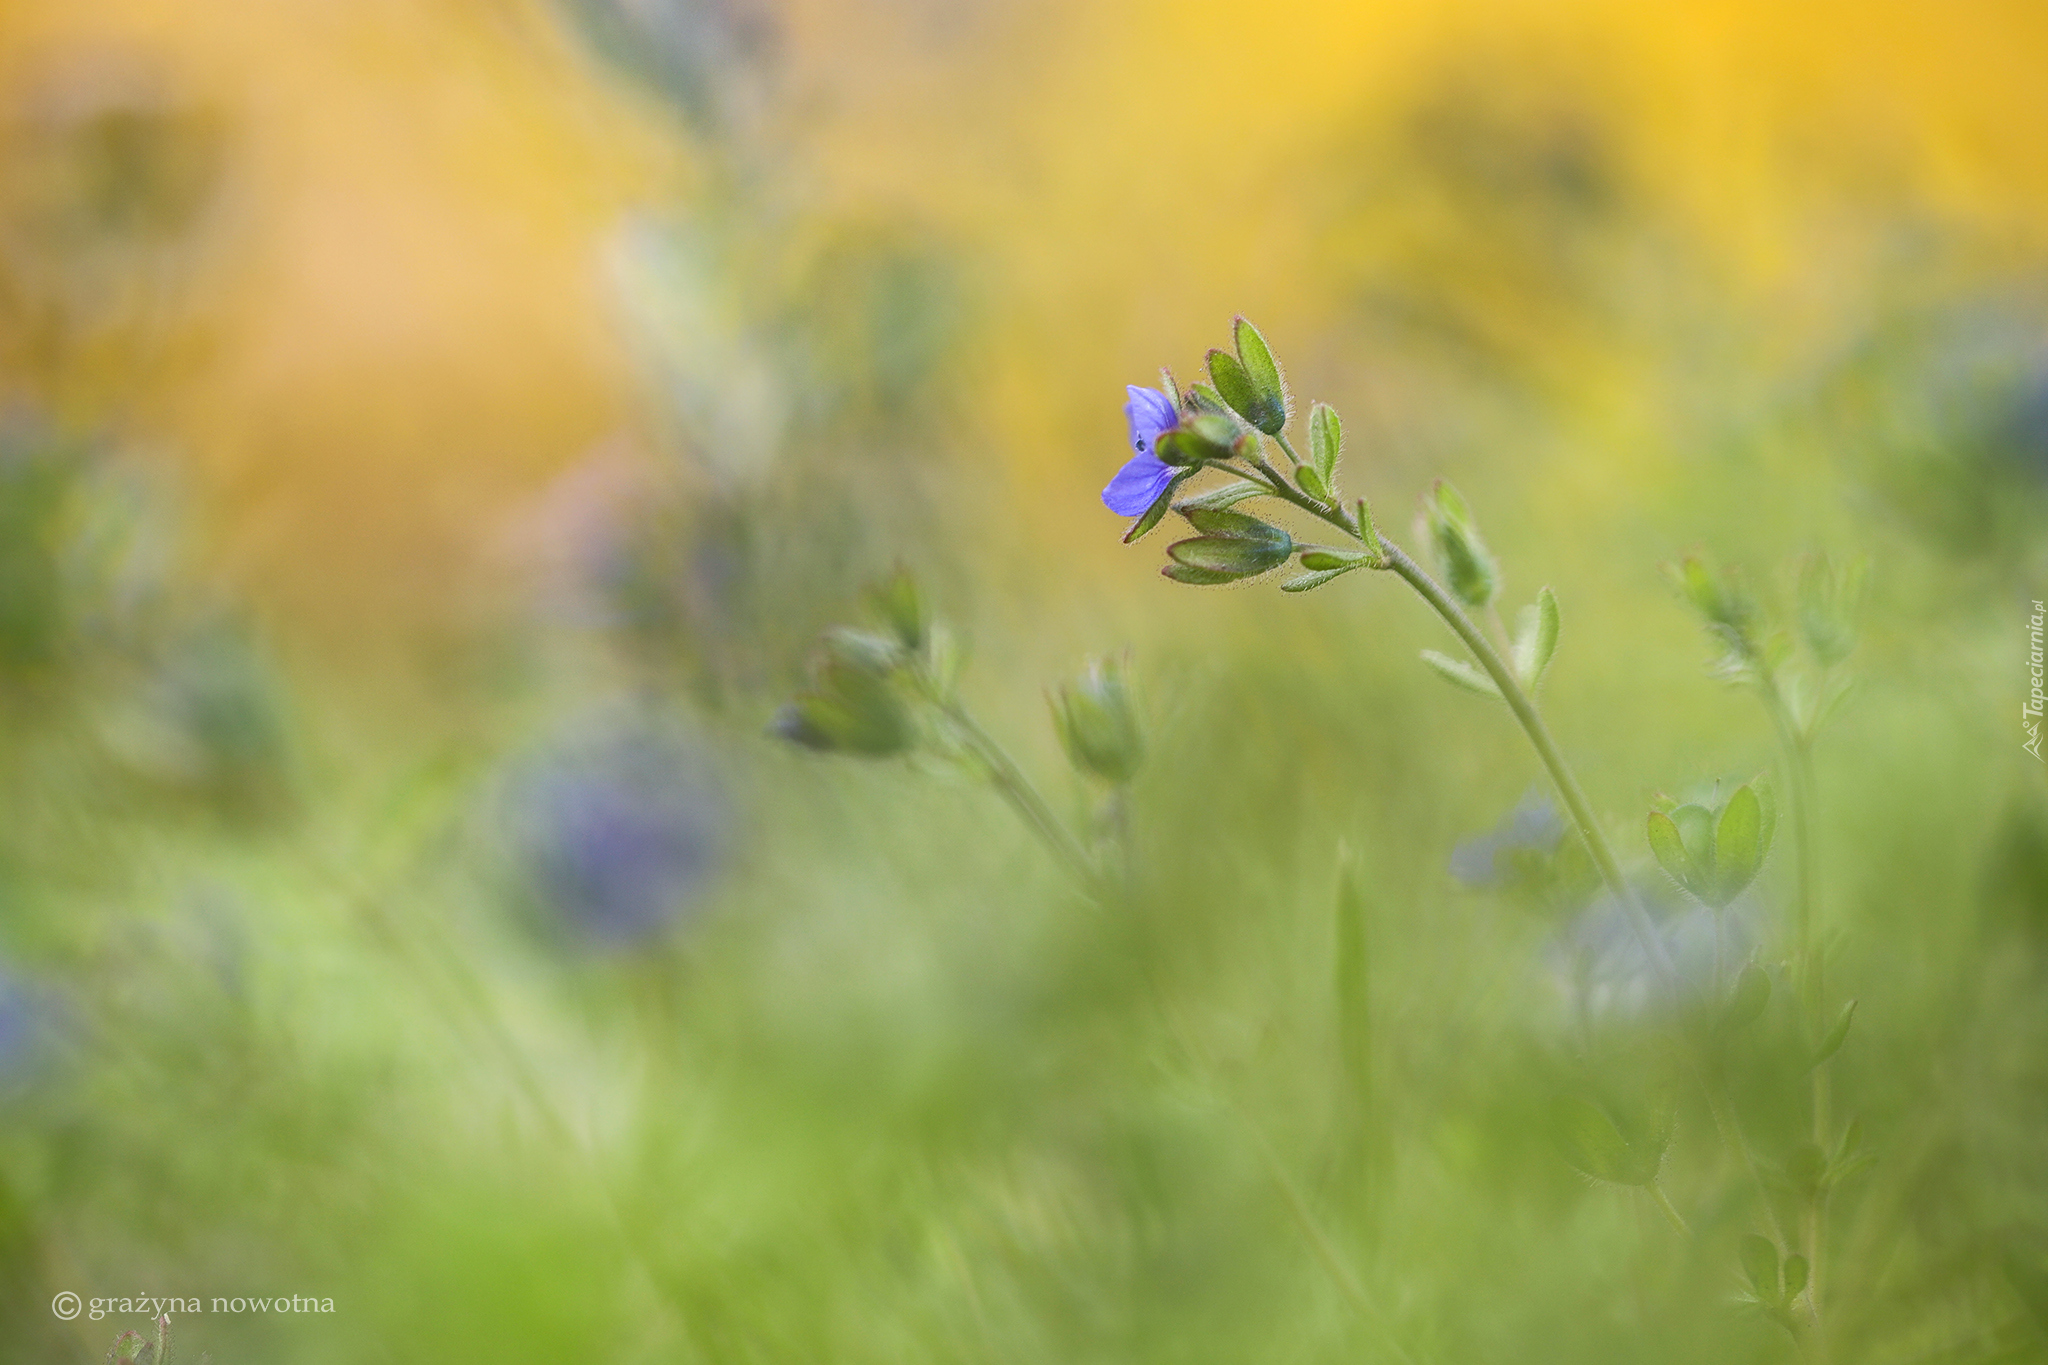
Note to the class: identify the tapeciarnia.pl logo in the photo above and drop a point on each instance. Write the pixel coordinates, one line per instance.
(2030, 714)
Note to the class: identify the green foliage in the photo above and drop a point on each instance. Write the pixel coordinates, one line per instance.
(1715, 854)
(1468, 567)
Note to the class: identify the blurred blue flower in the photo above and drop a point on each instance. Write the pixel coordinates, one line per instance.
(1532, 827)
(24, 1021)
(619, 831)
(1606, 973)
(1145, 476)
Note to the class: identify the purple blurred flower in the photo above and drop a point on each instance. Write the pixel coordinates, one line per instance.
(1532, 828)
(1144, 476)
(620, 831)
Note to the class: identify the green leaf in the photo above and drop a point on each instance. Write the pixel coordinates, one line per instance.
(1220, 522)
(1312, 483)
(1221, 496)
(1205, 398)
(899, 603)
(1669, 849)
(1461, 673)
(1535, 639)
(1325, 440)
(1255, 358)
(1759, 1257)
(1696, 827)
(1747, 1000)
(1235, 387)
(1229, 555)
(1309, 582)
(1595, 1146)
(1837, 1034)
(1144, 524)
(1331, 559)
(1796, 1274)
(1738, 846)
(1468, 567)
(1370, 533)
(1767, 807)
(1199, 578)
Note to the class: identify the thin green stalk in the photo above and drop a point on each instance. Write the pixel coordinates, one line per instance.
(1011, 783)
(1511, 691)
(1732, 1135)
(1670, 1210)
(1810, 968)
(1532, 725)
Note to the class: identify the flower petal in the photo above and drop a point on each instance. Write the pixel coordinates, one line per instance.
(1148, 412)
(1137, 485)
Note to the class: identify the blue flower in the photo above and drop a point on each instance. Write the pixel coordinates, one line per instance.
(1490, 859)
(1145, 476)
(620, 831)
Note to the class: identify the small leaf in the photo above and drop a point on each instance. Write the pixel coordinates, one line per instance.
(1759, 1257)
(1220, 521)
(1205, 398)
(1669, 850)
(1594, 1146)
(1461, 673)
(1325, 440)
(1747, 1000)
(1233, 385)
(1796, 1272)
(1468, 566)
(1312, 483)
(1370, 533)
(1767, 807)
(1255, 358)
(1738, 846)
(1199, 578)
(1238, 557)
(1696, 827)
(1309, 582)
(1144, 524)
(1836, 1035)
(1331, 559)
(1535, 639)
(1221, 496)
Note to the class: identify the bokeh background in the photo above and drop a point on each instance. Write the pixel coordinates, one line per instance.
(432, 435)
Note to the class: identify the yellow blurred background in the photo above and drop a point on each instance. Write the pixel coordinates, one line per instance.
(397, 326)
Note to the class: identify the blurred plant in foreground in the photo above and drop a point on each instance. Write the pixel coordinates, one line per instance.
(879, 694)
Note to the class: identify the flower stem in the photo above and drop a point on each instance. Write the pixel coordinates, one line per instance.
(1525, 712)
(1511, 691)
(1670, 1209)
(1808, 959)
(1011, 783)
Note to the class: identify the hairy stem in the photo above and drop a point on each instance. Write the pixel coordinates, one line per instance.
(1532, 725)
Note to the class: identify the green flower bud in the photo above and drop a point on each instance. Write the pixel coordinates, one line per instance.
(1203, 436)
(852, 706)
(1097, 722)
(1232, 546)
